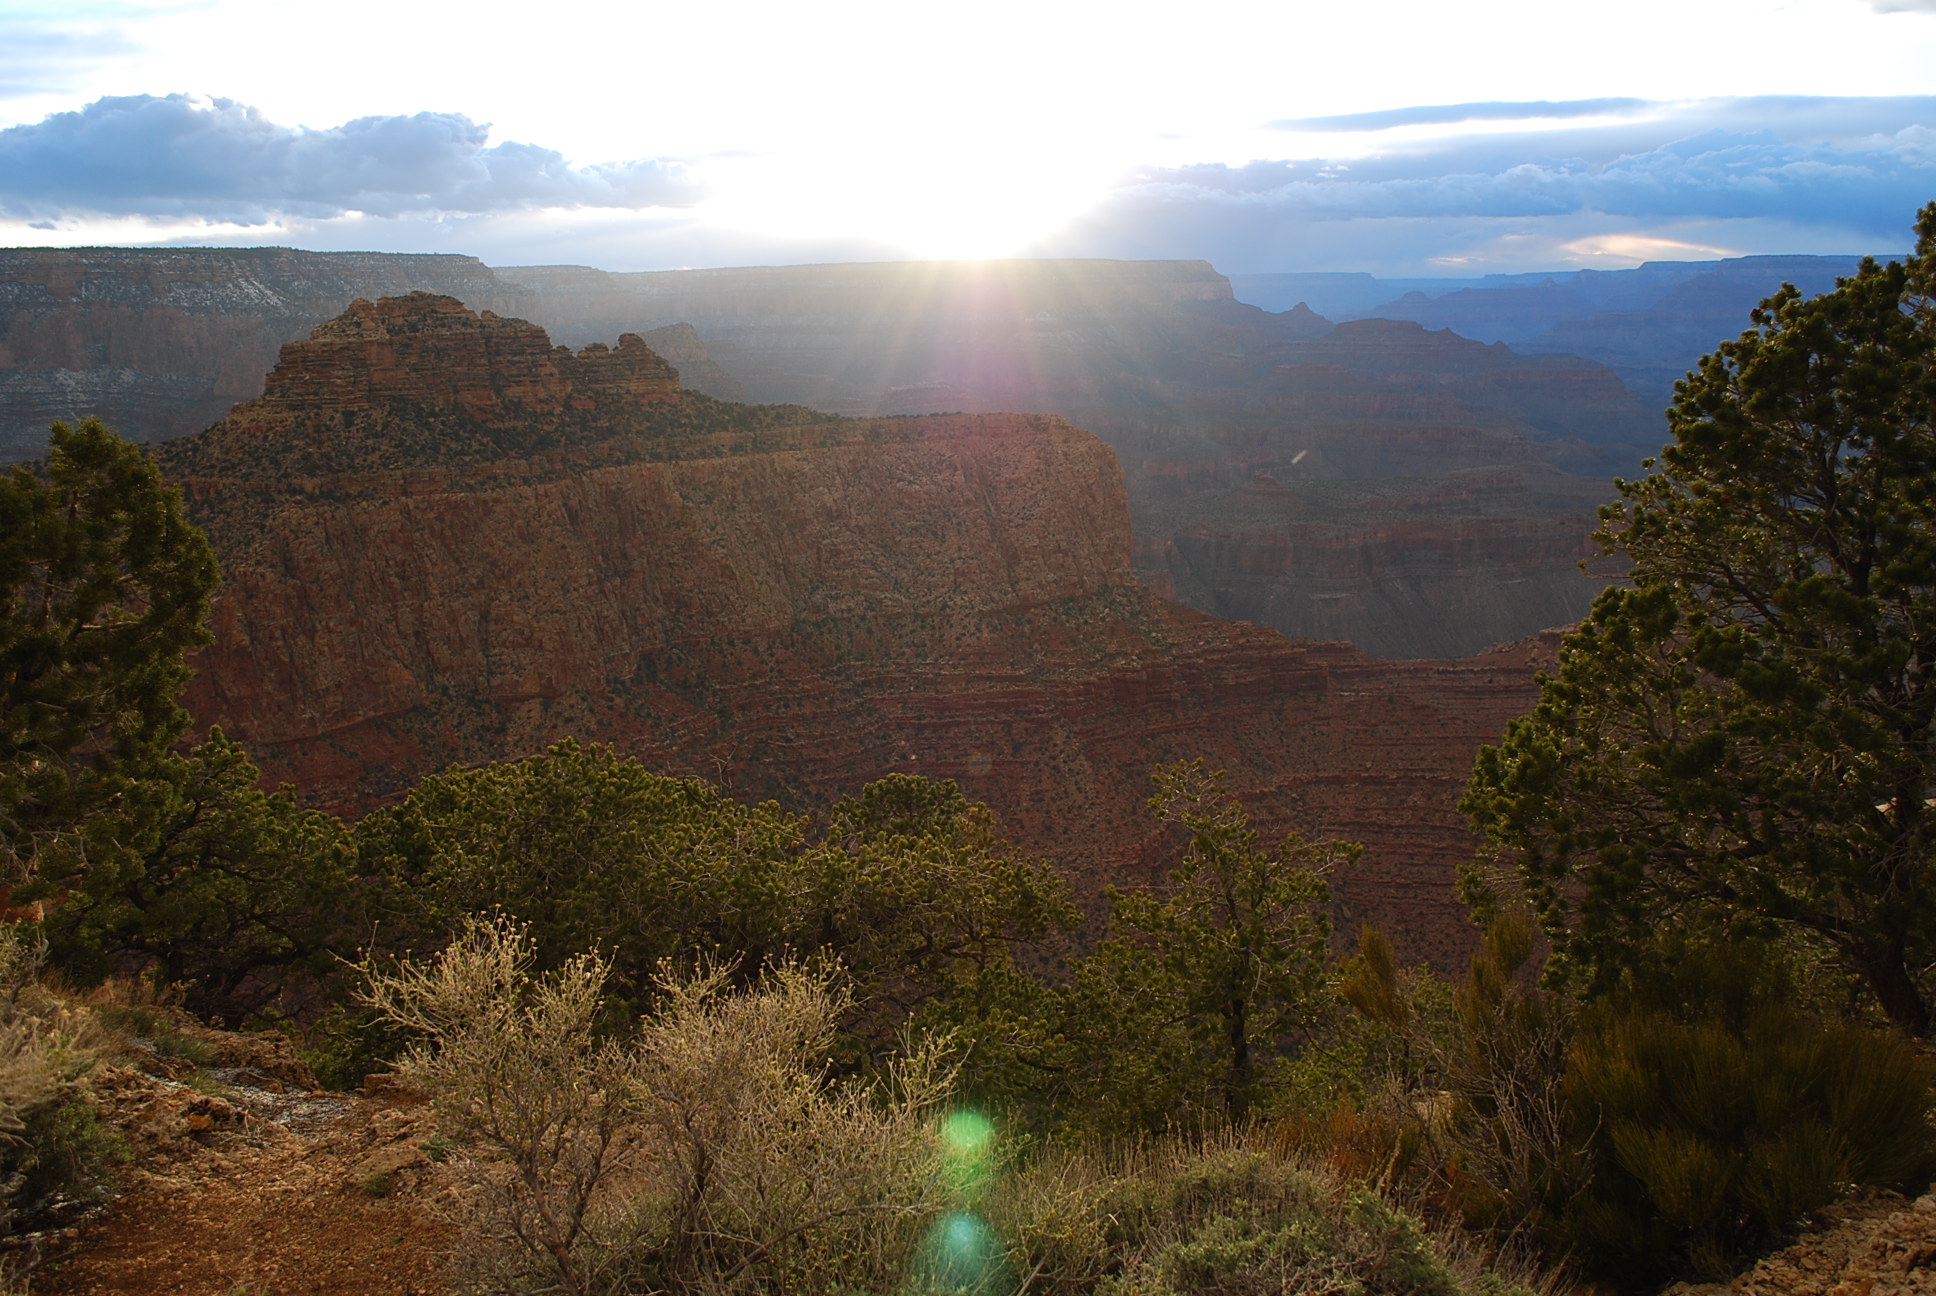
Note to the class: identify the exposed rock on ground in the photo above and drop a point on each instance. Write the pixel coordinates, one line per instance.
(245, 1178)
(1874, 1246)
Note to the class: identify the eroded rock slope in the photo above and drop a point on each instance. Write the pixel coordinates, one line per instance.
(445, 540)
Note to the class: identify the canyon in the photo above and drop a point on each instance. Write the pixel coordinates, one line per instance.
(445, 539)
(1209, 403)
(1650, 324)
(160, 343)
(1408, 490)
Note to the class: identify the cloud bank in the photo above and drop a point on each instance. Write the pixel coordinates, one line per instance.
(221, 161)
(1431, 189)
(1779, 173)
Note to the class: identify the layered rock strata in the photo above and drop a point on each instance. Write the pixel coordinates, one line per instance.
(1198, 394)
(504, 542)
(159, 342)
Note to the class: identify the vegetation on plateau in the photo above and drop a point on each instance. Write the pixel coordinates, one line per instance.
(680, 1043)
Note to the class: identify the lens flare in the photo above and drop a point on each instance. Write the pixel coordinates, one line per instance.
(967, 1147)
(967, 1134)
(963, 1255)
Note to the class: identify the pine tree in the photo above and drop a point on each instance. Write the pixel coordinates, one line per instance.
(1739, 737)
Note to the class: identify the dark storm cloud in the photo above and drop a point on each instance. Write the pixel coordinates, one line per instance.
(1769, 174)
(1861, 164)
(219, 160)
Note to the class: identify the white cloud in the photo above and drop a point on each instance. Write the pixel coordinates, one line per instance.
(222, 161)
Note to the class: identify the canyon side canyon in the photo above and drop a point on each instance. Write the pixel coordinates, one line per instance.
(1413, 492)
(447, 540)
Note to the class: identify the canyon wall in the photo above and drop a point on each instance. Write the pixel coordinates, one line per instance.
(1650, 324)
(161, 342)
(503, 542)
(1198, 395)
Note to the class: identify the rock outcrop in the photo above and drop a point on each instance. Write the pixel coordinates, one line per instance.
(161, 342)
(1196, 392)
(1874, 1244)
(791, 602)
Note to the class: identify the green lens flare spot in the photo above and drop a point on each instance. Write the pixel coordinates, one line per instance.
(967, 1133)
(964, 1235)
(962, 1256)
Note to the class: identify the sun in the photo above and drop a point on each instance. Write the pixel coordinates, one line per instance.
(945, 196)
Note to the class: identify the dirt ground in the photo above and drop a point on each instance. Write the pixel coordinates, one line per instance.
(249, 1182)
(246, 1180)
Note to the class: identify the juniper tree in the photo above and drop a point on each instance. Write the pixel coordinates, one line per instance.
(1739, 736)
(104, 590)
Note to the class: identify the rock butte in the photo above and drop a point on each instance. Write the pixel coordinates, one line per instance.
(466, 556)
(1199, 395)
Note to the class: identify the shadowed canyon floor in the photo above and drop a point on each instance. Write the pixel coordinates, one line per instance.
(446, 540)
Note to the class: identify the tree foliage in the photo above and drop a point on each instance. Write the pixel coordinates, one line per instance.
(1713, 1114)
(1739, 738)
(234, 891)
(1202, 989)
(910, 887)
(104, 589)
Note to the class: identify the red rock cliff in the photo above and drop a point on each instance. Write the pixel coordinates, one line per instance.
(159, 342)
(786, 601)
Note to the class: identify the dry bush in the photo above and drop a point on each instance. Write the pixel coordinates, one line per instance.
(775, 1177)
(709, 1152)
(1475, 1126)
(512, 1065)
(1240, 1213)
(47, 1052)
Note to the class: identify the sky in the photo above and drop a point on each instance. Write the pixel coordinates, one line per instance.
(1399, 137)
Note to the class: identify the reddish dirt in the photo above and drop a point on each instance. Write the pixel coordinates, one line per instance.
(251, 1193)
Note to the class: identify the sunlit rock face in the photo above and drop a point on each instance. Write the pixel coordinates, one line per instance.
(504, 542)
(160, 342)
(1483, 468)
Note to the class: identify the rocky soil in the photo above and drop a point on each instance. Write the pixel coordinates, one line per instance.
(1873, 1246)
(246, 1180)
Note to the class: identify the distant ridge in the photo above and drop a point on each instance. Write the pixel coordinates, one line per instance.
(1650, 324)
(158, 342)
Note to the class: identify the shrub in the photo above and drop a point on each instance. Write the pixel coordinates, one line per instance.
(911, 888)
(1718, 1116)
(1234, 1215)
(1462, 1112)
(50, 1140)
(709, 1151)
(1190, 1010)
